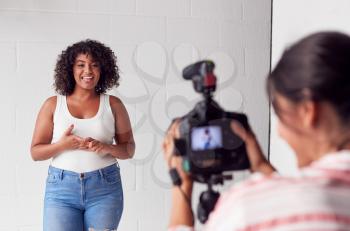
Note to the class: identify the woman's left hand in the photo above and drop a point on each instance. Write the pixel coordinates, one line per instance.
(96, 146)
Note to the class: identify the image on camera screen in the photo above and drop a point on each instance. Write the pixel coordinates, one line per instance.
(204, 138)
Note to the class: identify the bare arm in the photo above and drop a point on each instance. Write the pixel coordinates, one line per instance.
(125, 144)
(180, 209)
(181, 213)
(41, 147)
(125, 147)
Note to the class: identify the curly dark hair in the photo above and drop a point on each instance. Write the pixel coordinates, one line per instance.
(64, 80)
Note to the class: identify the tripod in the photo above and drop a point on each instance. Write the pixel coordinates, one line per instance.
(208, 198)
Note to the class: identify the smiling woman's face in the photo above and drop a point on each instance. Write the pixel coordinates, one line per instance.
(86, 72)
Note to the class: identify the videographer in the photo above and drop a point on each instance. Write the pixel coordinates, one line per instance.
(310, 93)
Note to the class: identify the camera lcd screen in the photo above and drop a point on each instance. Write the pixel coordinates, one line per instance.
(205, 138)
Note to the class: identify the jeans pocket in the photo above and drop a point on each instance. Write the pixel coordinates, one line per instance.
(52, 178)
(112, 178)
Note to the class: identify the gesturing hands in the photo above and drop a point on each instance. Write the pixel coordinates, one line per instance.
(69, 141)
(96, 146)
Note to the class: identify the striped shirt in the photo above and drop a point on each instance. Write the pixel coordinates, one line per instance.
(316, 199)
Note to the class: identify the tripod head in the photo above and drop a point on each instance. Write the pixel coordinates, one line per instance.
(208, 198)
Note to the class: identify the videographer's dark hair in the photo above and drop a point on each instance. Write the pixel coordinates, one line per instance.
(64, 80)
(316, 68)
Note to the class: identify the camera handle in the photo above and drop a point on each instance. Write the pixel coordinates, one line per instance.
(208, 198)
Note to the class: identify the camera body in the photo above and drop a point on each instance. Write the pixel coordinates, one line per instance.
(207, 144)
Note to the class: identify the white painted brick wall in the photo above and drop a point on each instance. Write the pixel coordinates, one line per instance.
(154, 40)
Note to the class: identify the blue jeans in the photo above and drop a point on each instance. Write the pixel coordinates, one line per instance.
(83, 201)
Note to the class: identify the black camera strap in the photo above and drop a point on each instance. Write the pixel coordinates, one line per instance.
(175, 177)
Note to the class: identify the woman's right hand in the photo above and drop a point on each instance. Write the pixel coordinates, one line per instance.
(169, 152)
(258, 162)
(69, 141)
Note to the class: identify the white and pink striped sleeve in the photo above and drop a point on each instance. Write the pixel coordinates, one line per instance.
(181, 228)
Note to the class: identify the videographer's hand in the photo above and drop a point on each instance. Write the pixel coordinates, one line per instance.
(169, 150)
(257, 160)
(181, 213)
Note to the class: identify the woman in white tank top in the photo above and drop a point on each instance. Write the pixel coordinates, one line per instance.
(83, 131)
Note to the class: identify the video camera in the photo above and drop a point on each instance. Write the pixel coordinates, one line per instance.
(207, 144)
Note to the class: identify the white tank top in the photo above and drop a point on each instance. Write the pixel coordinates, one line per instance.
(100, 127)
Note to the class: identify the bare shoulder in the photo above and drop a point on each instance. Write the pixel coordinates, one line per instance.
(117, 106)
(115, 101)
(50, 104)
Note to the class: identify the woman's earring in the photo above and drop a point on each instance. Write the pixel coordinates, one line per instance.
(98, 89)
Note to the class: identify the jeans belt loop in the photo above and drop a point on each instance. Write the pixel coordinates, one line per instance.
(101, 173)
(61, 174)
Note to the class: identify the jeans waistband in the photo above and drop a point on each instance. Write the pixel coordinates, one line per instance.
(101, 172)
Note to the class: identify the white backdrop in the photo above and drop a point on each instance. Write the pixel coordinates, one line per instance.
(153, 40)
(293, 19)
